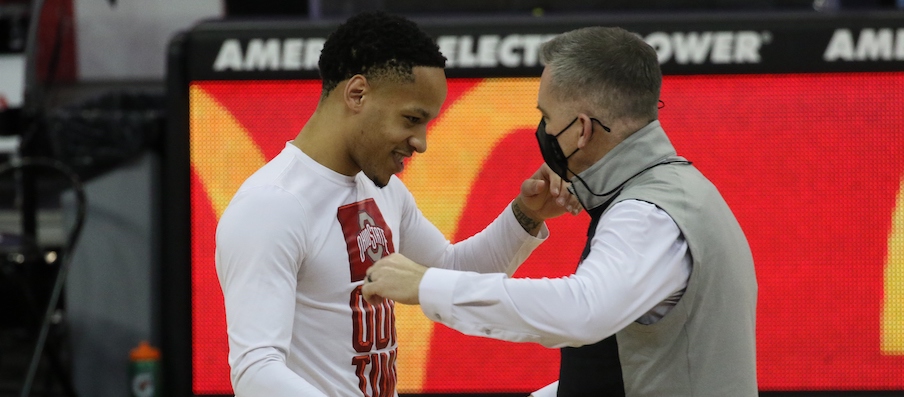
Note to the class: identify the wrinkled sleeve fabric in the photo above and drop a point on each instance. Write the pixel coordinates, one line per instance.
(635, 262)
(499, 248)
(258, 256)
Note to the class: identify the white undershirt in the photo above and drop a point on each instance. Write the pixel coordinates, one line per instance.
(637, 269)
(290, 261)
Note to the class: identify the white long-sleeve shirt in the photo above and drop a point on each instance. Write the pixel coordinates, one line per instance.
(292, 248)
(637, 269)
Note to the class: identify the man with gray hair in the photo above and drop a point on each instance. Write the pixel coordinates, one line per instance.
(663, 302)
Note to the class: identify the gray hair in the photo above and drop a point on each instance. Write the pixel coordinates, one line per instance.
(612, 69)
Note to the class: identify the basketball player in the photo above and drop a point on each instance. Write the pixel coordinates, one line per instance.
(295, 242)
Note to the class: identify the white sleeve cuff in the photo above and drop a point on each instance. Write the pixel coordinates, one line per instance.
(435, 293)
(549, 390)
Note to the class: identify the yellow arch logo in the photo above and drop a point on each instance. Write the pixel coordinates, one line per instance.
(893, 307)
(441, 179)
(217, 140)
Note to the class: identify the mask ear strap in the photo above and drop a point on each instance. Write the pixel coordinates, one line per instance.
(607, 129)
(617, 188)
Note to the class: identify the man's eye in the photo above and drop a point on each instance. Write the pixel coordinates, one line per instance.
(413, 120)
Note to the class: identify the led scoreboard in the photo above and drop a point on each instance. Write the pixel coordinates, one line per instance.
(796, 118)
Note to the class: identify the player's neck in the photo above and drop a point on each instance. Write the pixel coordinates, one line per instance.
(323, 139)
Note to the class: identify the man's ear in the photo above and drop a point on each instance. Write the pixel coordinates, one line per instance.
(354, 92)
(586, 130)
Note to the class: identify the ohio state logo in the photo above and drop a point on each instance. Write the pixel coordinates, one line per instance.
(367, 236)
(371, 239)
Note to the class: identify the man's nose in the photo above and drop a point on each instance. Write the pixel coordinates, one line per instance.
(419, 141)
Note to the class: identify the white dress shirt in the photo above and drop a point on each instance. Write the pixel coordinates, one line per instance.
(637, 269)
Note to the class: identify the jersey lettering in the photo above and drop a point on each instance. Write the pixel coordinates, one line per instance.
(372, 325)
(376, 372)
(369, 238)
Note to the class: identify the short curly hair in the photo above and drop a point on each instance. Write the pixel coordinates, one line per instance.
(376, 45)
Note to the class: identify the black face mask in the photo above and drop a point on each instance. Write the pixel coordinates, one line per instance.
(552, 152)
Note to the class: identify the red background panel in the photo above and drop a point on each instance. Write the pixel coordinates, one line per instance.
(811, 164)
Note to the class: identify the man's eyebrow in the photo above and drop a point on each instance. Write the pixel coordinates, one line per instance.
(421, 111)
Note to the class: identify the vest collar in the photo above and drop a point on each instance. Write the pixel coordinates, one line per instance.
(642, 149)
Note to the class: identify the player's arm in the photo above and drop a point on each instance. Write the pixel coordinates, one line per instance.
(257, 258)
(500, 247)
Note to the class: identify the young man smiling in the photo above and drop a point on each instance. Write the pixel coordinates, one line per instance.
(295, 242)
